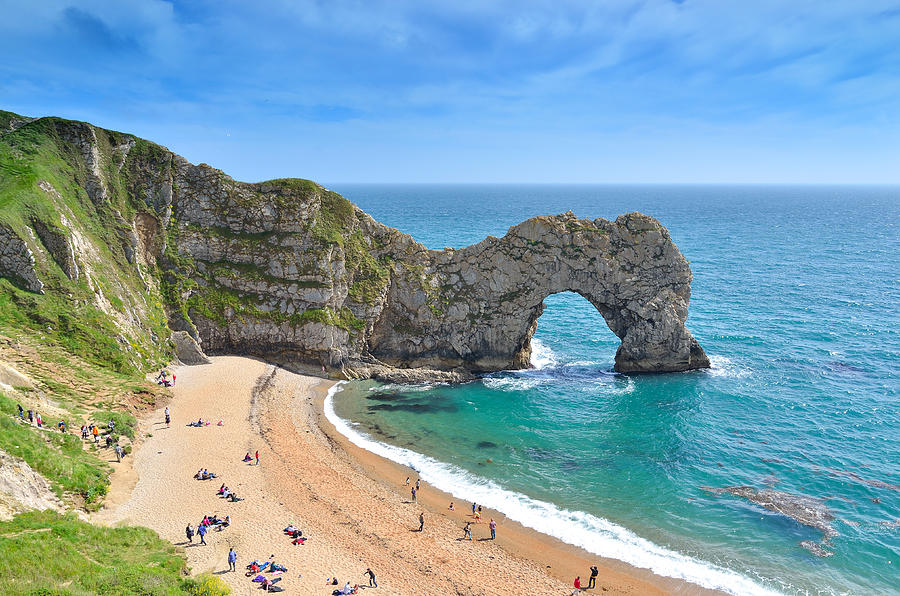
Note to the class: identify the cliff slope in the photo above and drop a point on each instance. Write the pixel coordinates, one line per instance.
(117, 241)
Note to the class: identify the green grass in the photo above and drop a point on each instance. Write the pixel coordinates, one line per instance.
(48, 554)
(57, 456)
(125, 423)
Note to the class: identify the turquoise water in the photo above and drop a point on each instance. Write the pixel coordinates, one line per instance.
(796, 298)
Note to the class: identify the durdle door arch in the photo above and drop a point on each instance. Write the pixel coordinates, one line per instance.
(482, 302)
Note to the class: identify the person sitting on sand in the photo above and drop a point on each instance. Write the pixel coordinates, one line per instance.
(227, 521)
(233, 498)
(451, 506)
(226, 493)
(198, 474)
(222, 488)
(290, 529)
(247, 457)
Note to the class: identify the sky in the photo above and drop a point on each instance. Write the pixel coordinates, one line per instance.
(559, 91)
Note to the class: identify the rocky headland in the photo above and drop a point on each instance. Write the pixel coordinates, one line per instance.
(293, 273)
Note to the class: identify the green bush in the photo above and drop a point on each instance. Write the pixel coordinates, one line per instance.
(48, 553)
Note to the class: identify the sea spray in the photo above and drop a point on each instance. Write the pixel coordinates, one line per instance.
(592, 533)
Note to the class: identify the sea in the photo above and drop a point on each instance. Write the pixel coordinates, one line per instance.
(796, 300)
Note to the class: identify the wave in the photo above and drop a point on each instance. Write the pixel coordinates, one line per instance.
(541, 355)
(720, 366)
(592, 533)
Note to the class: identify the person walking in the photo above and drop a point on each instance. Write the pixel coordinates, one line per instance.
(30, 416)
(371, 574)
(96, 433)
(413, 493)
(493, 526)
(407, 478)
(21, 411)
(168, 418)
(592, 581)
(40, 421)
(201, 532)
(467, 530)
(257, 457)
(232, 560)
(118, 451)
(422, 521)
(577, 584)
(474, 506)
(189, 532)
(417, 484)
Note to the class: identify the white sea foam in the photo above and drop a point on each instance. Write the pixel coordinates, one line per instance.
(541, 355)
(592, 533)
(512, 383)
(720, 366)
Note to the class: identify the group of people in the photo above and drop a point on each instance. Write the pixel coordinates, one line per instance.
(204, 474)
(227, 494)
(592, 581)
(348, 589)
(33, 417)
(208, 521)
(163, 379)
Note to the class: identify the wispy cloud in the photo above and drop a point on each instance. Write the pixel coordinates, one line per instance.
(391, 76)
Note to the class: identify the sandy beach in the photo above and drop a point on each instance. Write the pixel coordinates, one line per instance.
(353, 506)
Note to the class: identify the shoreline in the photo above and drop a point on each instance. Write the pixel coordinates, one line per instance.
(561, 560)
(351, 504)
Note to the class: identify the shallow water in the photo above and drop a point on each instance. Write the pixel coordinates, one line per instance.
(795, 298)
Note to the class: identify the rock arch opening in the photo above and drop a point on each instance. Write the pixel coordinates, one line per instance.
(569, 329)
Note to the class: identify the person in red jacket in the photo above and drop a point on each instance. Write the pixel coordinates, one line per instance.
(577, 585)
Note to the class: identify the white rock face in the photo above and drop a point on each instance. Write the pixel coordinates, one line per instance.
(21, 488)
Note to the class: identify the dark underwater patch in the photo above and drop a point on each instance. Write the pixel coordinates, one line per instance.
(414, 408)
(486, 445)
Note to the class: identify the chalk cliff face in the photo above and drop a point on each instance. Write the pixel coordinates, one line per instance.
(294, 273)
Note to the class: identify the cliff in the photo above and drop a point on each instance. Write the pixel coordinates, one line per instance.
(105, 235)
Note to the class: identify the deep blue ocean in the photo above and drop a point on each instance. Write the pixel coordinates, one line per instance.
(796, 299)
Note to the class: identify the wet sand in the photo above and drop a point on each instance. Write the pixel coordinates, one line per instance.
(352, 505)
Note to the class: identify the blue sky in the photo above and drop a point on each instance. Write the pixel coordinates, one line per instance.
(476, 91)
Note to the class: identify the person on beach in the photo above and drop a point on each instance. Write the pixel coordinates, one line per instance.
(577, 584)
(592, 581)
(407, 478)
(422, 521)
(493, 526)
(474, 506)
(232, 560)
(413, 493)
(451, 506)
(257, 457)
(467, 530)
(201, 531)
(168, 418)
(189, 532)
(417, 484)
(371, 574)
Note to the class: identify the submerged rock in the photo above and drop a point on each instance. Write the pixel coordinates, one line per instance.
(803, 509)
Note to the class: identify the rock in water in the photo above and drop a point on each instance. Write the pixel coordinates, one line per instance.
(803, 509)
